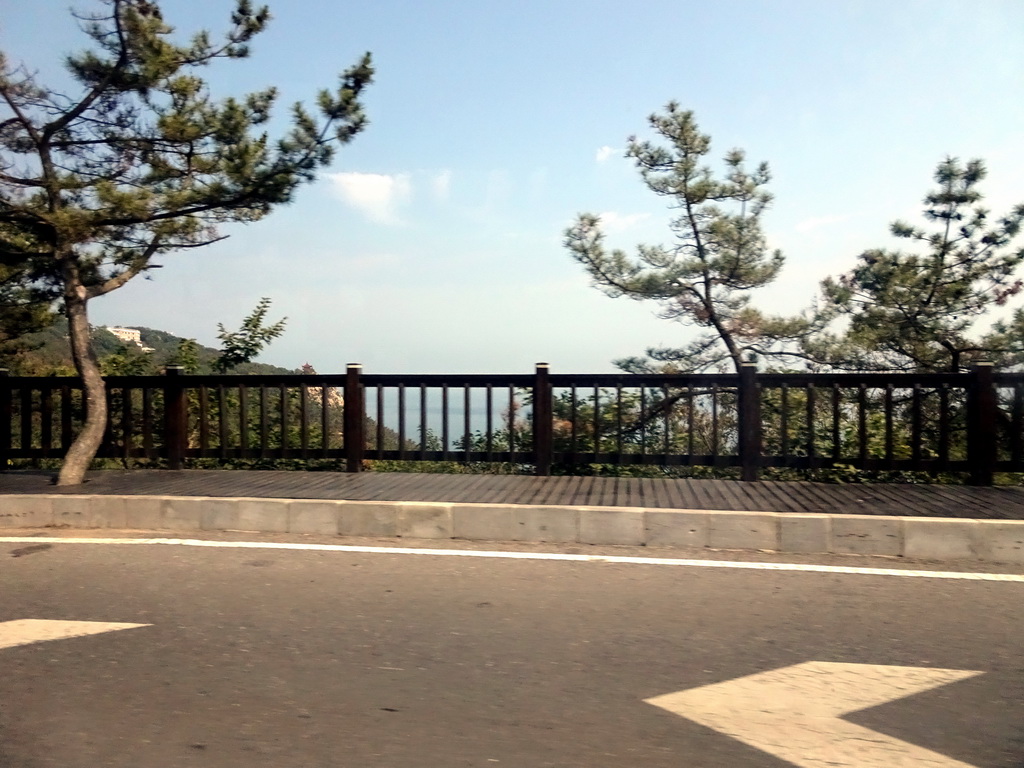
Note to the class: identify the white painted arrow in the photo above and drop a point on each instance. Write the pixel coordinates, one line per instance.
(26, 631)
(793, 713)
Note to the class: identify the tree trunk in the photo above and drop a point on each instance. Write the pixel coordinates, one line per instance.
(83, 449)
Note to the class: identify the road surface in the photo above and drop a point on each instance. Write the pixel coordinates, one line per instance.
(269, 657)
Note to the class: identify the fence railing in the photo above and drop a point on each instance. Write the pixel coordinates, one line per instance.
(969, 423)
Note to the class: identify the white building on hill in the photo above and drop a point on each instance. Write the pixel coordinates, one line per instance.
(129, 336)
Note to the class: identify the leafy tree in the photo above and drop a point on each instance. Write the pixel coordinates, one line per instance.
(186, 354)
(21, 313)
(142, 161)
(243, 345)
(719, 257)
(917, 311)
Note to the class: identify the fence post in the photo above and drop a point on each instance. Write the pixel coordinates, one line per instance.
(355, 419)
(175, 417)
(5, 419)
(749, 422)
(981, 426)
(543, 431)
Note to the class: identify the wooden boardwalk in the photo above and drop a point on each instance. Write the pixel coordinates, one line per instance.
(769, 496)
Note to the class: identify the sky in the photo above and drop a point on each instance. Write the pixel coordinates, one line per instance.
(434, 241)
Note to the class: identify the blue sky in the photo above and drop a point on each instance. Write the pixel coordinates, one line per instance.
(433, 244)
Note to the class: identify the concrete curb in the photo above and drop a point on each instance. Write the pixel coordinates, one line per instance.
(943, 539)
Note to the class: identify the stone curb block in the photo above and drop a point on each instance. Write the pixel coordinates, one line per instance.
(943, 539)
(367, 519)
(554, 524)
(482, 522)
(743, 530)
(997, 541)
(867, 535)
(316, 517)
(677, 528)
(808, 534)
(423, 520)
(26, 511)
(612, 526)
(1001, 541)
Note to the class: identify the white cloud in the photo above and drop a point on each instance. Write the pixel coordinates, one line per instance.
(377, 195)
(604, 153)
(617, 222)
(820, 221)
(442, 183)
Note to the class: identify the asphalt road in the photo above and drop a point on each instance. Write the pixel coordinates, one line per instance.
(259, 657)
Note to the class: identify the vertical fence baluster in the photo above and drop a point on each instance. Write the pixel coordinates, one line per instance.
(597, 424)
(1016, 425)
(572, 425)
(490, 422)
(915, 426)
(379, 401)
(512, 424)
(401, 422)
(147, 421)
(689, 424)
(784, 423)
(889, 448)
(862, 422)
(836, 435)
(26, 417)
(643, 425)
(204, 419)
(283, 404)
(127, 426)
(264, 412)
(811, 436)
(243, 418)
(107, 447)
(444, 421)
(714, 422)
(46, 428)
(666, 421)
(944, 426)
(66, 417)
(222, 421)
(6, 426)
(467, 436)
(325, 419)
(423, 421)
(618, 421)
(304, 420)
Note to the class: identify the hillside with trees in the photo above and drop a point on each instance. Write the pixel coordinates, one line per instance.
(47, 352)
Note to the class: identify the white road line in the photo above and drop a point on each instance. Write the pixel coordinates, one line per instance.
(28, 631)
(690, 563)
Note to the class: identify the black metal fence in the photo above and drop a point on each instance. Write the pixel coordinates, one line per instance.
(969, 423)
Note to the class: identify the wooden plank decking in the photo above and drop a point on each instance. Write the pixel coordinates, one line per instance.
(771, 496)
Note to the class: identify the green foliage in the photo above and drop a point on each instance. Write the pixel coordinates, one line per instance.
(186, 355)
(144, 161)
(243, 345)
(918, 311)
(719, 257)
(140, 160)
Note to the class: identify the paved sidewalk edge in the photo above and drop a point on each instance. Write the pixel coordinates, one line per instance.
(942, 539)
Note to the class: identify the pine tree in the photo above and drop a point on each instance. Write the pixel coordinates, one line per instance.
(719, 257)
(919, 311)
(142, 161)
